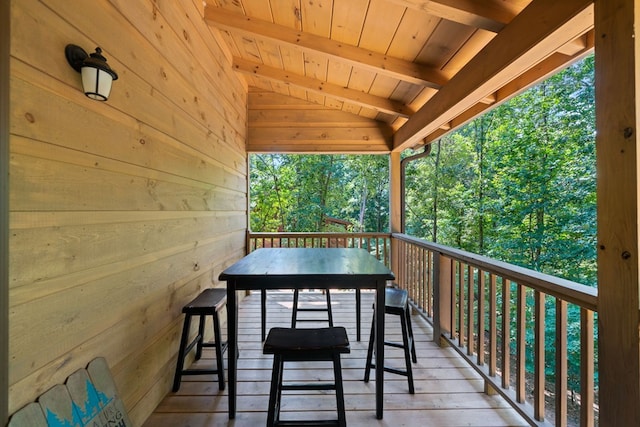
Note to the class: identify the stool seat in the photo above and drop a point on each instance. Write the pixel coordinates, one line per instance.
(301, 345)
(209, 299)
(291, 341)
(396, 302)
(208, 303)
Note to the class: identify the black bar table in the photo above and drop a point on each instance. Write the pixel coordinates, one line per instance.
(304, 268)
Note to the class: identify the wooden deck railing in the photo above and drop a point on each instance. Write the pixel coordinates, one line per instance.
(378, 244)
(498, 315)
(505, 321)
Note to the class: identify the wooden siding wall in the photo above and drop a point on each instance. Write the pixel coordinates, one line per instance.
(120, 212)
(281, 123)
(4, 210)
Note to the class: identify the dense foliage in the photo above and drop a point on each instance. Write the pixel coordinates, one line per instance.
(517, 184)
(300, 192)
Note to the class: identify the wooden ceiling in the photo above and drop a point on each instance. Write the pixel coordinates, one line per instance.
(403, 72)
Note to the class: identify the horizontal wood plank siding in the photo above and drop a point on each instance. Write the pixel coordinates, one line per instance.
(122, 211)
(282, 124)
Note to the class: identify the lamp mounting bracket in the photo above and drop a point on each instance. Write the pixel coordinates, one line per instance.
(75, 56)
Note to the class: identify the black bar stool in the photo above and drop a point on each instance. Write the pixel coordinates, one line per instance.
(263, 313)
(208, 303)
(396, 302)
(296, 309)
(302, 345)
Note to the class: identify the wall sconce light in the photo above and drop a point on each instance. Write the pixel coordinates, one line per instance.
(97, 76)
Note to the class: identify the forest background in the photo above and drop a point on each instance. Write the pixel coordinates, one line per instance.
(517, 184)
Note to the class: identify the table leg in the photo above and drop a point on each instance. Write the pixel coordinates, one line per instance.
(232, 350)
(379, 337)
(358, 313)
(263, 313)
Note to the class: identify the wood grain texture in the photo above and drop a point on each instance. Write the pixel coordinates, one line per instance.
(121, 211)
(297, 126)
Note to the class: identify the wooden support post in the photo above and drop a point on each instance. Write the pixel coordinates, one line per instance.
(395, 207)
(617, 111)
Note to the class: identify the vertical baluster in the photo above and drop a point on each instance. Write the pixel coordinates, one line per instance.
(506, 333)
(521, 334)
(461, 305)
(454, 268)
(414, 268)
(493, 326)
(423, 279)
(539, 356)
(403, 265)
(430, 261)
(470, 313)
(481, 314)
(561, 363)
(586, 368)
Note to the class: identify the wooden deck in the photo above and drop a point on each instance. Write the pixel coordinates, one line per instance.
(448, 392)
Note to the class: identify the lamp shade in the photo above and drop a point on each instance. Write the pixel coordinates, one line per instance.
(96, 83)
(97, 76)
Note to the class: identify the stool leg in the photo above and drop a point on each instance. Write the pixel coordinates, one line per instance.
(407, 352)
(275, 392)
(294, 313)
(367, 368)
(200, 337)
(337, 374)
(329, 310)
(183, 345)
(218, 346)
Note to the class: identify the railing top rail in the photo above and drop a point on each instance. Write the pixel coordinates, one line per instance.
(573, 292)
(317, 234)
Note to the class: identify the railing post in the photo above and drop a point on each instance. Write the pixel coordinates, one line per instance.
(441, 296)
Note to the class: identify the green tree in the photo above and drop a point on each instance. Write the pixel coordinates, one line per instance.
(297, 192)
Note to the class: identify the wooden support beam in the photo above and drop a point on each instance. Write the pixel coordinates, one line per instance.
(352, 55)
(540, 30)
(617, 85)
(546, 68)
(362, 99)
(489, 15)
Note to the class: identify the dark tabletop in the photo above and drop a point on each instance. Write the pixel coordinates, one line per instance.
(308, 262)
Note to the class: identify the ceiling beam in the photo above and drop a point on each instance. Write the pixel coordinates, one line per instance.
(535, 34)
(357, 97)
(484, 14)
(352, 55)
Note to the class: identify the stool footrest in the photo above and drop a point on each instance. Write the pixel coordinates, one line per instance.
(192, 344)
(392, 370)
(318, 423)
(223, 346)
(396, 344)
(193, 371)
(330, 386)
